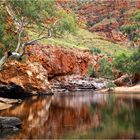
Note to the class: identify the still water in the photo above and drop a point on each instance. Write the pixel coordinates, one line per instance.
(77, 115)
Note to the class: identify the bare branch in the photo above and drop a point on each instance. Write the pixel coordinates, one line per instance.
(32, 43)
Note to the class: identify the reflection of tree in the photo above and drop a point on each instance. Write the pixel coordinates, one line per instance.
(116, 121)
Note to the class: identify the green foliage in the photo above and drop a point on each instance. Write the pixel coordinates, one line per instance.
(42, 15)
(67, 23)
(91, 72)
(95, 50)
(131, 31)
(6, 36)
(129, 64)
(128, 28)
(122, 63)
(2, 22)
(32, 10)
(137, 16)
(105, 69)
(135, 61)
(110, 85)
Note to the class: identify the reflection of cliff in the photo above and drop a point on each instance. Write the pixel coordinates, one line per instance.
(45, 119)
(64, 117)
(33, 113)
(58, 115)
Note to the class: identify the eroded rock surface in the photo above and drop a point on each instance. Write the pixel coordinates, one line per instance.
(104, 17)
(46, 62)
(78, 83)
(19, 78)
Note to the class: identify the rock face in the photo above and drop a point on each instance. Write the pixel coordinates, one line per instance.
(104, 16)
(59, 61)
(9, 122)
(7, 103)
(19, 79)
(78, 83)
(122, 81)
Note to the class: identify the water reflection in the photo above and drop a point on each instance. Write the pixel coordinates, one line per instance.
(78, 115)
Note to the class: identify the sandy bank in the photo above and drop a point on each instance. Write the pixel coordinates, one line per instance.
(134, 89)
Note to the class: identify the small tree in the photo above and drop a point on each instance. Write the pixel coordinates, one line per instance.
(106, 68)
(123, 64)
(18, 16)
(129, 64)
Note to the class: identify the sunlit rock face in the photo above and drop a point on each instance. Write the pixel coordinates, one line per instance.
(59, 61)
(18, 77)
(43, 63)
(104, 16)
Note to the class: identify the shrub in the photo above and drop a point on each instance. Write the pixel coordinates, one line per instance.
(95, 50)
(128, 63)
(91, 72)
(110, 85)
(105, 69)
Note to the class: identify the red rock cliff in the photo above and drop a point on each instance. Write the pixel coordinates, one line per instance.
(59, 61)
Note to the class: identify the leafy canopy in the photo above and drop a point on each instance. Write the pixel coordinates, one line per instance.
(19, 16)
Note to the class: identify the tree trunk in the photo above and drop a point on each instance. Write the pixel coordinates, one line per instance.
(3, 61)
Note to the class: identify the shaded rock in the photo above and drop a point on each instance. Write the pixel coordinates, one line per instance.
(9, 122)
(9, 126)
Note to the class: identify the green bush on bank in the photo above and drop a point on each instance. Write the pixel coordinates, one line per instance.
(123, 63)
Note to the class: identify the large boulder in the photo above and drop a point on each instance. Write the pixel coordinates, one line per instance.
(17, 79)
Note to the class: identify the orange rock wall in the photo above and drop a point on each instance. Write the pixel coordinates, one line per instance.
(59, 61)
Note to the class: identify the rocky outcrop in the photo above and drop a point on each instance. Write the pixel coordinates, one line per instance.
(7, 103)
(9, 126)
(9, 122)
(122, 81)
(104, 16)
(59, 61)
(78, 83)
(30, 77)
(19, 79)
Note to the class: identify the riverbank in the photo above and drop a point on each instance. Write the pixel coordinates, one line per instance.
(133, 89)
